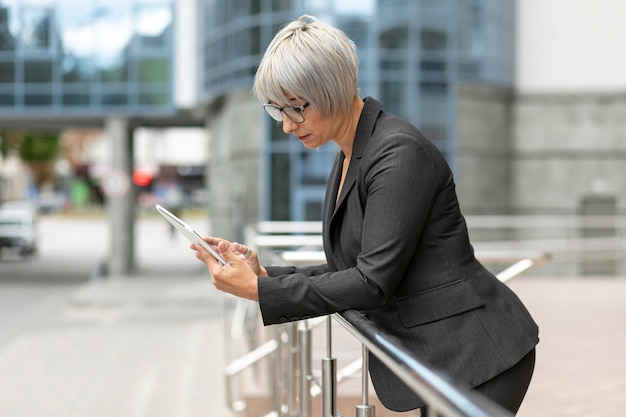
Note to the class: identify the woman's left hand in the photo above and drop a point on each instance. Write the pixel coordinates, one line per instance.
(237, 277)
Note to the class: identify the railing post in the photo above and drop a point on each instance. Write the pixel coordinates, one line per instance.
(304, 344)
(291, 378)
(280, 371)
(329, 376)
(365, 409)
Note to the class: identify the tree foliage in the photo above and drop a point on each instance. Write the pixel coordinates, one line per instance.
(37, 150)
(39, 147)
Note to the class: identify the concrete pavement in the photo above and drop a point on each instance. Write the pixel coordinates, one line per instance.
(581, 358)
(153, 346)
(143, 346)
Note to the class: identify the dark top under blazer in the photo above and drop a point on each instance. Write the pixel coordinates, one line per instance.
(398, 250)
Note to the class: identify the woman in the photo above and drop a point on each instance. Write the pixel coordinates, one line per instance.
(396, 243)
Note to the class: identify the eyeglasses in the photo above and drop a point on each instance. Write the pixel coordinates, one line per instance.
(293, 112)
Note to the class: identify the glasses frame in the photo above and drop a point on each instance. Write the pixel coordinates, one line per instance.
(298, 109)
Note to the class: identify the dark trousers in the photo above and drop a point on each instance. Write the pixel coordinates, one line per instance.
(508, 388)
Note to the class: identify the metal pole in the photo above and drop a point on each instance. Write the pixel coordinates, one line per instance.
(292, 368)
(277, 363)
(304, 339)
(365, 409)
(329, 377)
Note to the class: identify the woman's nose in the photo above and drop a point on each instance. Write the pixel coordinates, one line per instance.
(288, 125)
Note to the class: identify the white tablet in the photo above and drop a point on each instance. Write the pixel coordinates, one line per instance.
(189, 233)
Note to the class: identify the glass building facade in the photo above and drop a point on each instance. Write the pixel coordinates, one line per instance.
(413, 55)
(86, 57)
(95, 58)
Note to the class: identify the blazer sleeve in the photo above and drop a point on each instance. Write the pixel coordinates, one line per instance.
(274, 271)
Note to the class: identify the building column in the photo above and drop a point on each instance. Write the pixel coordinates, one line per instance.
(119, 189)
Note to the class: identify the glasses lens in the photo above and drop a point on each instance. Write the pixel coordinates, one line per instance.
(294, 113)
(274, 112)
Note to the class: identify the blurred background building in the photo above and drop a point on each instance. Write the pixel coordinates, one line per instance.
(415, 56)
(524, 98)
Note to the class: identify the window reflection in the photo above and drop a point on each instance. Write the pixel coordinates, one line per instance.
(81, 46)
(36, 27)
(7, 40)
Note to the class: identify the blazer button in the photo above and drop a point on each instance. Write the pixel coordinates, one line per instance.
(295, 318)
(283, 319)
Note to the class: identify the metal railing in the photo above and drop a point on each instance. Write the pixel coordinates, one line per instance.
(292, 380)
(443, 397)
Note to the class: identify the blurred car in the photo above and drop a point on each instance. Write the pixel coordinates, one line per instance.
(51, 202)
(18, 227)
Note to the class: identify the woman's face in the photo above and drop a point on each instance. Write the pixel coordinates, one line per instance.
(315, 131)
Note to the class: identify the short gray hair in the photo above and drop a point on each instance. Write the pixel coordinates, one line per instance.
(311, 60)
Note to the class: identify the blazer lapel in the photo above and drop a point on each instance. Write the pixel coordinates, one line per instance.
(332, 187)
(367, 122)
(348, 183)
(329, 207)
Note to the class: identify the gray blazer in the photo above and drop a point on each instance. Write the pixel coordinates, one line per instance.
(398, 250)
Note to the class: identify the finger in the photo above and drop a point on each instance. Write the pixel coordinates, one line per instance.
(228, 251)
(246, 251)
(212, 240)
(203, 255)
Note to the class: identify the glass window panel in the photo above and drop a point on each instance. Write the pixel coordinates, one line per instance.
(434, 40)
(7, 40)
(7, 72)
(281, 5)
(316, 167)
(438, 66)
(154, 70)
(357, 31)
(277, 133)
(70, 99)
(75, 70)
(313, 211)
(393, 64)
(395, 38)
(36, 100)
(392, 95)
(112, 26)
(38, 71)
(255, 7)
(434, 110)
(152, 25)
(36, 28)
(7, 100)
(239, 8)
(469, 69)
(77, 22)
(279, 187)
(154, 99)
(255, 41)
(114, 99)
(114, 73)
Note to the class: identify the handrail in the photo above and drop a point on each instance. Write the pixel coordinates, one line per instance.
(292, 342)
(441, 395)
